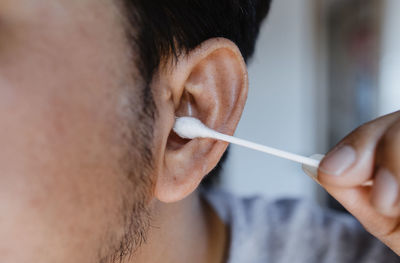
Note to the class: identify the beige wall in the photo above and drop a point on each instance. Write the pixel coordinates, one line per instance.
(389, 88)
(284, 108)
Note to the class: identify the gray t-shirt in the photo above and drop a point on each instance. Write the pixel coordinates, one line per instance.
(293, 231)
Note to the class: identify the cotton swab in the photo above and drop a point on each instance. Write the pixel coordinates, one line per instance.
(191, 128)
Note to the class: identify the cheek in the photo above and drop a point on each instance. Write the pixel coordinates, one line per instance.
(60, 186)
(61, 189)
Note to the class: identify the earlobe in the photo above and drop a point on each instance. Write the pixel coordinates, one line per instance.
(209, 83)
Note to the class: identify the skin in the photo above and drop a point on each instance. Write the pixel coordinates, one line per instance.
(67, 104)
(377, 148)
(59, 158)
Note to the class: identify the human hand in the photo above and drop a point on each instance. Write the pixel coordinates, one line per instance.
(371, 152)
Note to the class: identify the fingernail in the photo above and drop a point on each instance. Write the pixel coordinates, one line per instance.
(312, 171)
(385, 190)
(338, 161)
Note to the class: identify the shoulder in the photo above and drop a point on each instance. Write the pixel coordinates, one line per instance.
(253, 209)
(293, 230)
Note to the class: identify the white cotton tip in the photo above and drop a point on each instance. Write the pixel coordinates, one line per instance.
(190, 128)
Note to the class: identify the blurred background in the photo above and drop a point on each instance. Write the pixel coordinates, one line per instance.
(321, 68)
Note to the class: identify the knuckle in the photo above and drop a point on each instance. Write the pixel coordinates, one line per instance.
(389, 145)
(363, 133)
(391, 138)
(382, 133)
(366, 128)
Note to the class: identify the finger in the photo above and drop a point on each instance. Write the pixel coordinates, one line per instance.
(351, 162)
(357, 201)
(385, 192)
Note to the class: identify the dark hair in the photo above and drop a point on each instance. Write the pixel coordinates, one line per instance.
(159, 29)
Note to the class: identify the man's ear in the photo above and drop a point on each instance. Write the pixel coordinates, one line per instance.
(209, 83)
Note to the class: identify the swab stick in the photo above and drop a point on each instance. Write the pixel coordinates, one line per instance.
(191, 128)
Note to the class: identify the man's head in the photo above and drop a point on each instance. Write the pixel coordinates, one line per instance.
(89, 90)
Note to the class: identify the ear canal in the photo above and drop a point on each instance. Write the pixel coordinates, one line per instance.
(187, 106)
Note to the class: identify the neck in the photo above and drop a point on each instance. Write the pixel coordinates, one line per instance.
(186, 231)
